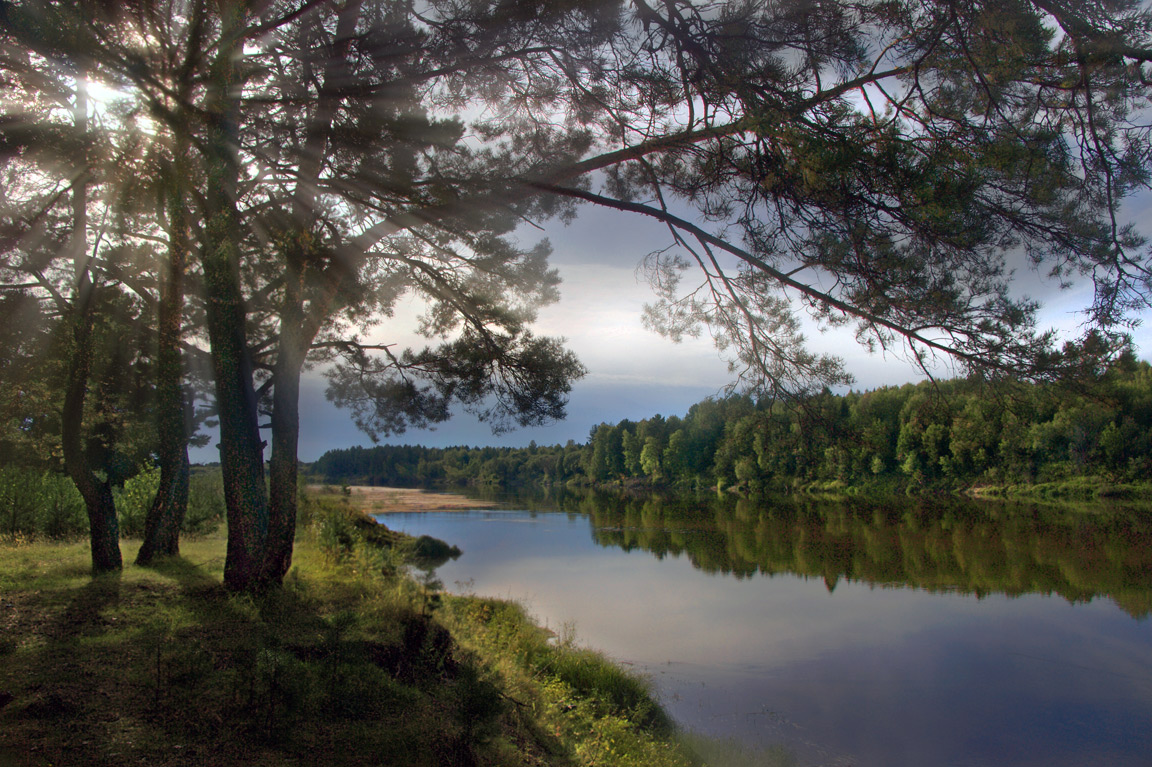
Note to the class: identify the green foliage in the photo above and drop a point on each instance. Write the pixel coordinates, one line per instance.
(590, 675)
(39, 504)
(335, 529)
(606, 712)
(19, 491)
(36, 504)
(948, 435)
(206, 507)
(134, 499)
(62, 513)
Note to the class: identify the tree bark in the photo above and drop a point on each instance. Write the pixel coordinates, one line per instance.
(241, 449)
(285, 435)
(297, 334)
(103, 527)
(165, 516)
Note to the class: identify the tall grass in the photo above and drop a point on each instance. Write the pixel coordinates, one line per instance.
(606, 714)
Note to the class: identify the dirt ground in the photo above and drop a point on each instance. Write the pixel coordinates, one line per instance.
(390, 500)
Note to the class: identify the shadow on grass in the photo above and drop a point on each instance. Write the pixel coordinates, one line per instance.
(55, 683)
(190, 576)
(162, 665)
(96, 668)
(83, 614)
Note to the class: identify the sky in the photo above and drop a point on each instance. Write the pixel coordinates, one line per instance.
(633, 373)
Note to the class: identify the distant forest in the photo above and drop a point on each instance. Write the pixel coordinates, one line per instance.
(947, 435)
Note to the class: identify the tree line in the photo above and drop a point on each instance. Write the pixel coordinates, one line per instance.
(954, 434)
(203, 199)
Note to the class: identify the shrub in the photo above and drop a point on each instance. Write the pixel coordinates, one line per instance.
(61, 510)
(19, 498)
(206, 507)
(203, 515)
(134, 499)
(40, 504)
(336, 532)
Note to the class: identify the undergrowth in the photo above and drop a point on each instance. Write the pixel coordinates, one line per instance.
(358, 658)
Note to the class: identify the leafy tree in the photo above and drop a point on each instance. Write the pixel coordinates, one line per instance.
(675, 460)
(974, 435)
(878, 161)
(69, 216)
(632, 446)
(651, 459)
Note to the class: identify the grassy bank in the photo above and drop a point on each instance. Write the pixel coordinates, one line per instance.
(358, 659)
(1075, 490)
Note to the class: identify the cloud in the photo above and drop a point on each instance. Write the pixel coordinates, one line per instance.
(633, 373)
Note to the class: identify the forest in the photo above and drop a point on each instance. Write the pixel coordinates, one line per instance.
(958, 434)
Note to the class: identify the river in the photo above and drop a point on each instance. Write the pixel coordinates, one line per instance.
(852, 633)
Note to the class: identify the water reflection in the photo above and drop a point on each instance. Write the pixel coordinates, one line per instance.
(849, 633)
(937, 546)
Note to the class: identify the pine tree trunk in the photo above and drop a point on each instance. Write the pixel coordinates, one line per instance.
(296, 331)
(241, 449)
(285, 439)
(166, 515)
(103, 527)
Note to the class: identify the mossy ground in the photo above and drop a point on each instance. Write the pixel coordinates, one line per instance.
(353, 661)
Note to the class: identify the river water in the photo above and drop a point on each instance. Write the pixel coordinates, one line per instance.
(862, 634)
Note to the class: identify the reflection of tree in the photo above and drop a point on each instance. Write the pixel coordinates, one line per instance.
(965, 548)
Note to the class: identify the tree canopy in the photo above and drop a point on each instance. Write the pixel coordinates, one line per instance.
(302, 165)
(1043, 438)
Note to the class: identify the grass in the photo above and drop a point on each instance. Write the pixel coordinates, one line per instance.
(352, 661)
(1070, 490)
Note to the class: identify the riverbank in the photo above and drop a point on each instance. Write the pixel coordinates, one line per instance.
(1074, 490)
(391, 500)
(354, 658)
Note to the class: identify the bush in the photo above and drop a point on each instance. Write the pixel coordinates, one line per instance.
(62, 513)
(134, 499)
(19, 499)
(40, 504)
(336, 532)
(206, 507)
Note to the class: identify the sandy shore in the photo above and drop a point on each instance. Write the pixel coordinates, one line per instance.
(391, 500)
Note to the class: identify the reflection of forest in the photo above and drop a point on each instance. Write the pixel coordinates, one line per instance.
(968, 548)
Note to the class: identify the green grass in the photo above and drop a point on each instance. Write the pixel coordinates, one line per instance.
(597, 711)
(352, 662)
(1072, 490)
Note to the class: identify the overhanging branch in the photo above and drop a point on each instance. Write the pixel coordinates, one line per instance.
(784, 279)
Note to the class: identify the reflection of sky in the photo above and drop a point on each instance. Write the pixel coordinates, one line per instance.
(870, 675)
